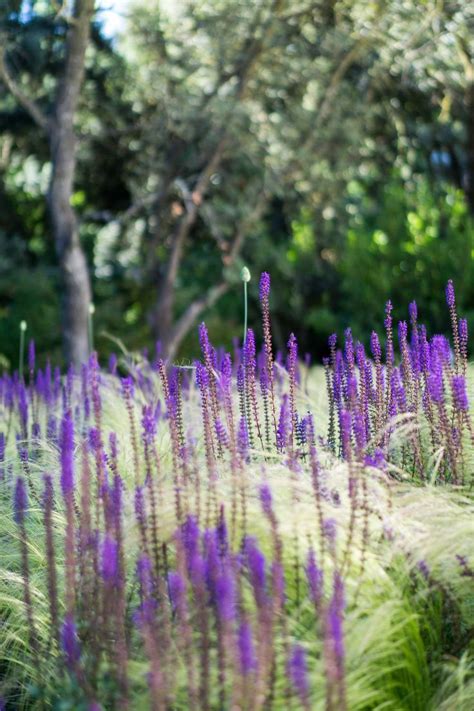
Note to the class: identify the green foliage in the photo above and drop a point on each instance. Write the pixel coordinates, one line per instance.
(411, 242)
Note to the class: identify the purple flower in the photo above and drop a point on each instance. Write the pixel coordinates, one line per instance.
(250, 350)
(67, 452)
(375, 346)
(221, 433)
(110, 561)
(266, 499)
(330, 530)
(376, 460)
(20, 501)
(435, 386)
(177, 589)
(256, 565)
(204, 342)
(148, 424)
(335, 619)
(264, 286)
(345, 426)
(202, 377)
(31, 356)
(450, 296)
(247, 659)
(463, 330)
(402, 331)
(278, 582)
(349, 347)
(314, 575)
(298, 672)
(190, 537)
(243, 439)
(113, 364)
(413, 311)
(70, 642)
(225, 590)
(128, 387)
(283, 424)
(458, 385)
(423, 569)
(332, 340)
(292, 353)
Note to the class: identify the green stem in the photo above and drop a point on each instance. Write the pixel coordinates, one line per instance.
(22, 352)
(90, 329)
(245, 312)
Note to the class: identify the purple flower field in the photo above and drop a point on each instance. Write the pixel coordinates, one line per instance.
(245, 532)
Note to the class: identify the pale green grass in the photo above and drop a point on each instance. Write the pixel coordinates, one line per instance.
(400, 656)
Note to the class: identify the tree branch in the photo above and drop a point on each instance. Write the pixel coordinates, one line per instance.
(214, 293)
(25, 102)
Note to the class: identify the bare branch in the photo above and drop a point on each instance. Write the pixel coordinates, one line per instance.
(28, 104)
(212, 296)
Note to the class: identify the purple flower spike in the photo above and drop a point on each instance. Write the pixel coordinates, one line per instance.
(113, 364)
(264, 286)
(375, 346)
(450, 296)
(413, 311)
(67, 451)
(190, 537)
(70, 642)
(435, 386)
(243, 439)
(315, 579)
(458, 385)
(345, 425)
(225, 596)
(110, 561)
(31, 356)
(256, 564)
(20, 501)
(177, 589)
(248, 662)
(335, 619)
(298, 672)
(266, 499)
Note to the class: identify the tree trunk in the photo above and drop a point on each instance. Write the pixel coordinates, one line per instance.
(75, 286)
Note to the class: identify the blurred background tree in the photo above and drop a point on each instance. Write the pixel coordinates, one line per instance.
(330, 142)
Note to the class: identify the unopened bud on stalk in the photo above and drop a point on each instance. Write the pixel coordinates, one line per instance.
(23, 326)
(245, 274)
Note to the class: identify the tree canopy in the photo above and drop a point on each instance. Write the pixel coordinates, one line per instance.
(329, 142)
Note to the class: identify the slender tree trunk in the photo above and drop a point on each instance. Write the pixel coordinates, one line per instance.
(76, 289)
(59, 127)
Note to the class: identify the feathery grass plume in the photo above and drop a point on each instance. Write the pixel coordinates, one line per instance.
(20, 505)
